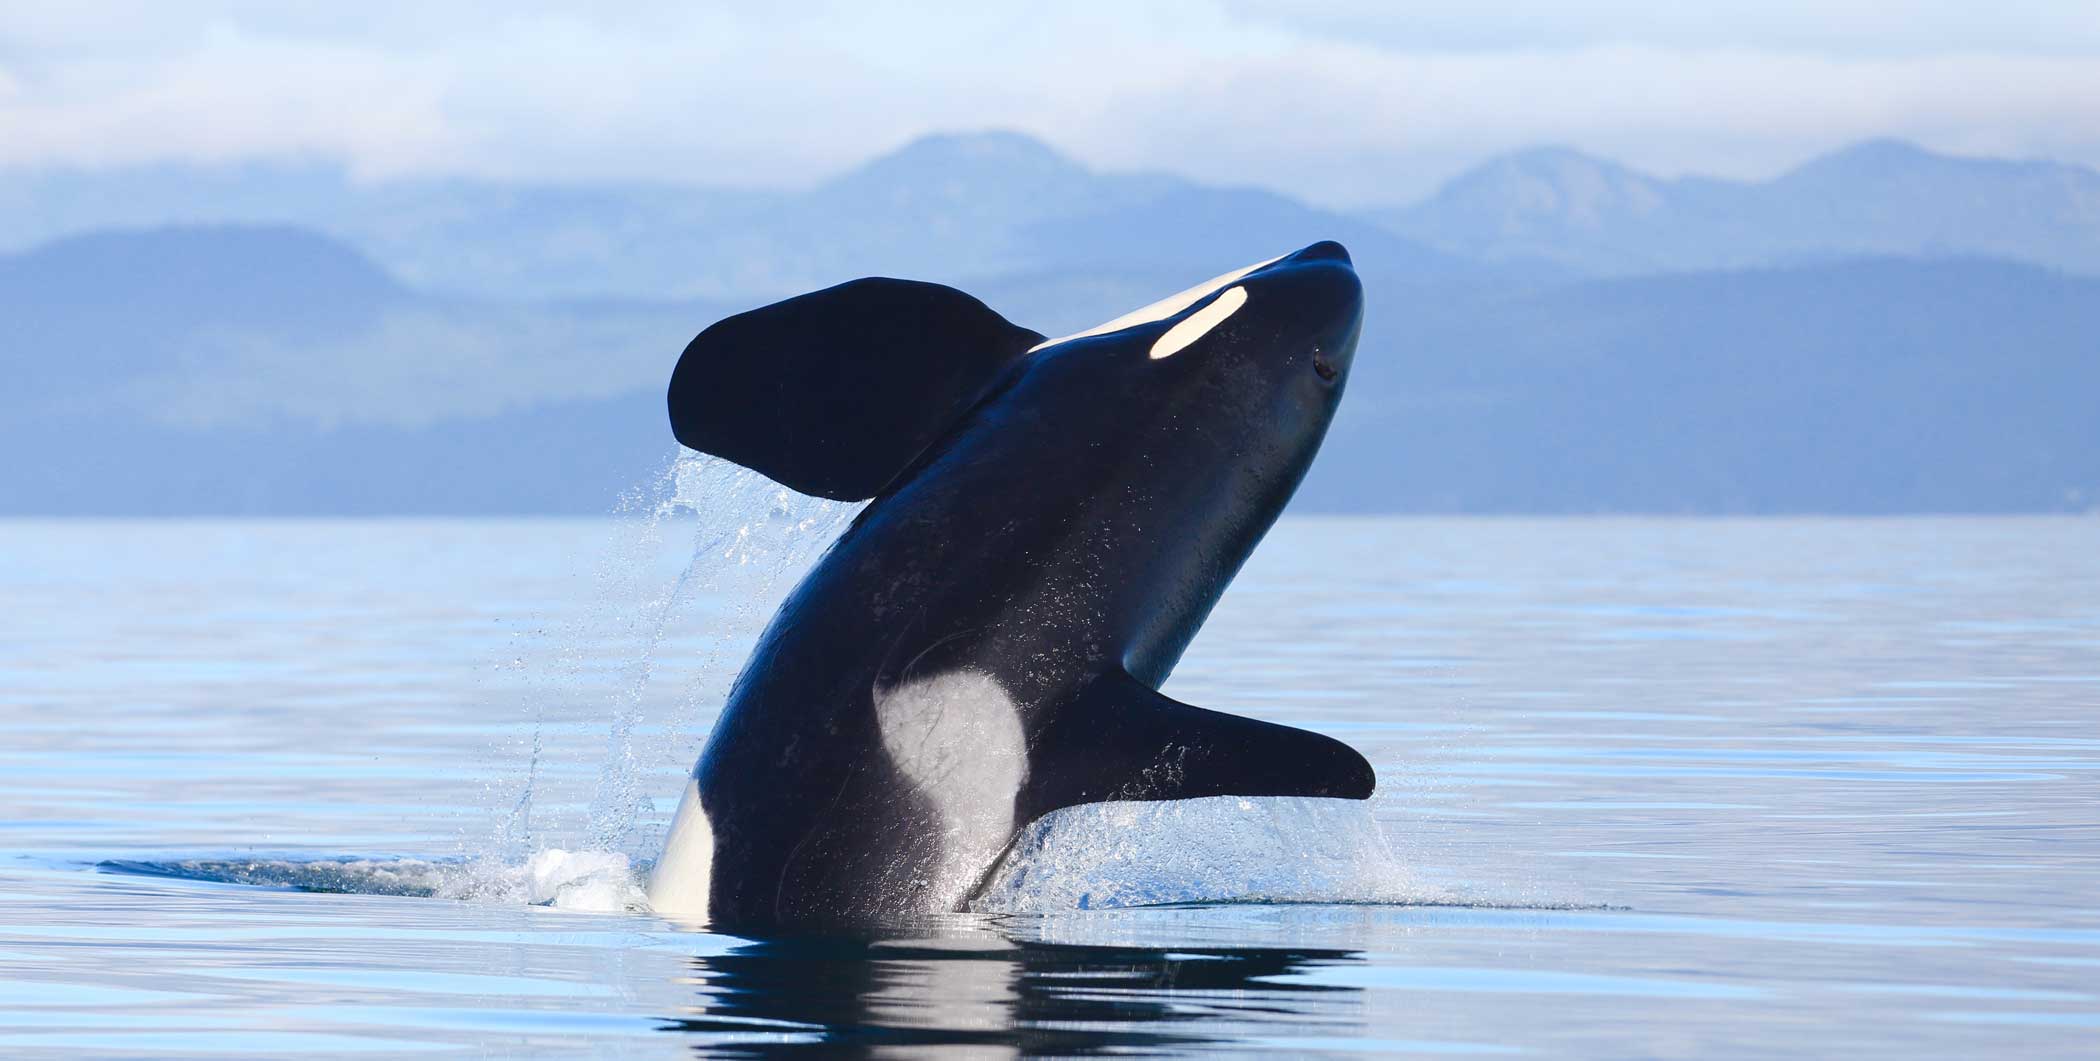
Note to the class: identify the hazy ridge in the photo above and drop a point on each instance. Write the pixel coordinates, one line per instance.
(1882, 330)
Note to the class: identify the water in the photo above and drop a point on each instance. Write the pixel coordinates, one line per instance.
(1698, 787)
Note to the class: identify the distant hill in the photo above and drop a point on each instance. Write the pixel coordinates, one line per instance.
(1588, 214)
(942, 208)
(243, 369)
(90, 316)
(988, 204)
(455, 235)
(554, 458)
(1871, 386)
(271, 370)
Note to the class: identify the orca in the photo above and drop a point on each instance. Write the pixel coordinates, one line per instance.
(1051, 522)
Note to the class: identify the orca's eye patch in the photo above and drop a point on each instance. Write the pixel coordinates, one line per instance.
(1198, 324)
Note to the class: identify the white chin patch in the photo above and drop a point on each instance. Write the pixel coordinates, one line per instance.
(679, 885)
(958, 738)
(1199, 323)
(1160, 310)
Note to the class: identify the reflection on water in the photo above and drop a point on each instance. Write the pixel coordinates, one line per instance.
(1008, 995)
(1750, 788)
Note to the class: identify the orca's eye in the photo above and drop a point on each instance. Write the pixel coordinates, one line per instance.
(1323, 366)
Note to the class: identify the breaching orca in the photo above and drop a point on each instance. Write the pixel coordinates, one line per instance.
(1052, 521)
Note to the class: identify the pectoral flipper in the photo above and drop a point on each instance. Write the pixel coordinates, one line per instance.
(1123, 740)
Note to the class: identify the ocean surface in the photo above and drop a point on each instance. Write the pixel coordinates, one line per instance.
(1678, 787)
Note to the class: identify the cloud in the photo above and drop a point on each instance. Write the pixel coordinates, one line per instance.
(1339, 101)
(1363, 124)
(1856, 28)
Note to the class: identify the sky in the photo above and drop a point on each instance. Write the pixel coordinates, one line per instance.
(1343, 102)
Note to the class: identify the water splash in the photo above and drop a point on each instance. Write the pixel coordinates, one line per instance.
(583, 881)
(1222, 851)
(1219, 849)
(749, 538)
(588, 881)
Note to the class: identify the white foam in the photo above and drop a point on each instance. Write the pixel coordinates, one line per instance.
(1219, 849)
(593, 881)
(588, 881)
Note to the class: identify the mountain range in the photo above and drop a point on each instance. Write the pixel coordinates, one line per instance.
(1882, 197)
(1881, 330)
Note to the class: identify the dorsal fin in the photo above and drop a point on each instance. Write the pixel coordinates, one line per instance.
(835, 392)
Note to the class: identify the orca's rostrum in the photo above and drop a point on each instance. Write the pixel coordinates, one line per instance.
(1051, 523)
